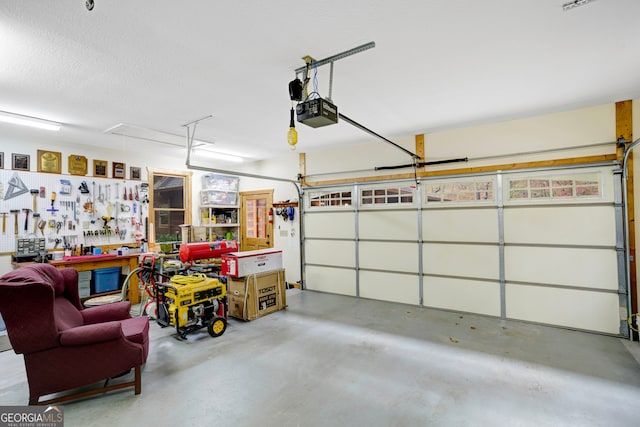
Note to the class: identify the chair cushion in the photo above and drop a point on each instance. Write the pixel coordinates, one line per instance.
(91, 334)
(136, 329)
(66, 315)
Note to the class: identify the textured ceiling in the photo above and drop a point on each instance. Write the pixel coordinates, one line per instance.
(437, 64)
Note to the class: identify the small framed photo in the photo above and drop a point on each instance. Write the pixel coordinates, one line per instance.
(49, 161)
(118, 170)
(100, 168)
(20, 162)
(1, 160)
(135, 173)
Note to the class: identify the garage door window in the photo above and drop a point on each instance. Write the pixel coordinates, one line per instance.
(386, 196)
(561, 187)
(328, 199)
(481, 190)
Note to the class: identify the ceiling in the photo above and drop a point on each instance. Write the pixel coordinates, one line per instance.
(436, 64)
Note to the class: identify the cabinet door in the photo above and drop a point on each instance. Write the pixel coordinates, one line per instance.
(255, 227)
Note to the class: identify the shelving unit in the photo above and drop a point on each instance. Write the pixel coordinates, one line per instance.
(219, 206)
(285, 204)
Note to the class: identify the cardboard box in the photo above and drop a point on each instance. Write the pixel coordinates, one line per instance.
(241, 264)
(257, 295)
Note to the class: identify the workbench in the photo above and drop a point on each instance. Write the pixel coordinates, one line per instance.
(89, 263)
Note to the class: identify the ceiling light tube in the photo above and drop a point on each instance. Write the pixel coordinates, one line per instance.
(215, 155)
(18, 119)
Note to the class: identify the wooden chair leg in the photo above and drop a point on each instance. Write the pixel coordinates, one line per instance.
(138, 380)
(136, 383)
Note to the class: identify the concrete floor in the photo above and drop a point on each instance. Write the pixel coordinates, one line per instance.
(331, 360)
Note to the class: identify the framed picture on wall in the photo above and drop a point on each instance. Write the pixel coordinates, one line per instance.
(77, 164)
(20, 162)
(100, 168)
(49, 161)
(118, 170)
(135, 173)
(1, 160)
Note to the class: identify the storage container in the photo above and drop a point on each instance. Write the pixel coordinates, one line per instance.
(257, 295)
(218, 197)
(214, 181)
(240, 264)
(84, 284)
(106, 279)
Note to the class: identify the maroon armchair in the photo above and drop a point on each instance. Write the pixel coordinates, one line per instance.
(66, 346)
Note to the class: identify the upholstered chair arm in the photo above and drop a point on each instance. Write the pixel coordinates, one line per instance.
(91, 334)
(105, 313)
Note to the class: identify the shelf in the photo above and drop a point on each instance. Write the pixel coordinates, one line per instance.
(285, 204)
(219, 203)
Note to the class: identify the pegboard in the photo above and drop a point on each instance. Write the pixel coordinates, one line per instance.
(110, 212)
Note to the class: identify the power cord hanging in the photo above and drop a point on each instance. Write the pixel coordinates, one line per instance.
(186, 280)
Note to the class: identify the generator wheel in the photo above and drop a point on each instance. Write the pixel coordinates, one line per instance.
(217, 326)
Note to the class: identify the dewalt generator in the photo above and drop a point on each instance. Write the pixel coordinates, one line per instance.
(192, 302)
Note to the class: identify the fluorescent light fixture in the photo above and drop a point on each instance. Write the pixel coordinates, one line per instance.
(575, 3)
(34, 122)
(201, 152)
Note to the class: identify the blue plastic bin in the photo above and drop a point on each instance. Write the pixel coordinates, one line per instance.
(106, 279)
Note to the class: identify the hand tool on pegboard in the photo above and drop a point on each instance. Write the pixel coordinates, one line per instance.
(4, 222)
(53, 209)
(15, 213)
(16, 187)
(34, 193)
(26, 218)
(36, 219)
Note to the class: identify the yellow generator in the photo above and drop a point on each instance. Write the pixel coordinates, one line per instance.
(192, 302)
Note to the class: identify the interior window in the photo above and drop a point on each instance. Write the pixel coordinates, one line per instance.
(170, 207)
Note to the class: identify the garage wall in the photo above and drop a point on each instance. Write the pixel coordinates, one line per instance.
(286, 233)
(142, 158)
(528, 139)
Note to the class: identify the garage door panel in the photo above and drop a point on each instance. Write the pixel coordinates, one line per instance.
(464, 225)
(594, 311)
(561, 225)
(591, 268)
(479, 261)
(547, 254)
(333, 280)
(331, 252)
(462, 295)
(395, 256)
(331, 225)
(388, 225)
(402, 288)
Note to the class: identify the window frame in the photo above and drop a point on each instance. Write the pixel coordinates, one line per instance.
(187, 176)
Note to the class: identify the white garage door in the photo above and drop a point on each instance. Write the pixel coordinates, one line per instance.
(540, 246)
